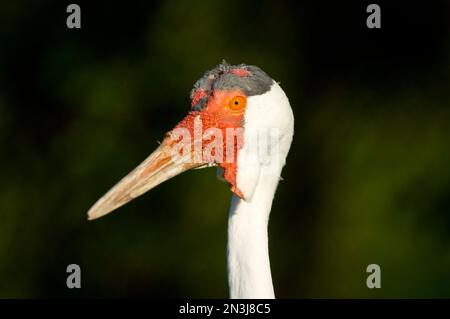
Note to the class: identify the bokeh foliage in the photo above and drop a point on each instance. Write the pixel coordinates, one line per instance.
(366, 181)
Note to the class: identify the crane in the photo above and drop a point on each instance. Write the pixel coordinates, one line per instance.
(242, 123)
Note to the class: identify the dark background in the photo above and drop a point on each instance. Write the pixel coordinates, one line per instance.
(366, 181)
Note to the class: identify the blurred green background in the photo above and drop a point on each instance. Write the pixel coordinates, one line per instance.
(367, 179)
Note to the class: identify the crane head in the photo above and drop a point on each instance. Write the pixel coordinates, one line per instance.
(227, 103)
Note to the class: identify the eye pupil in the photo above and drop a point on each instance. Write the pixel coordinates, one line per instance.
(236, 102)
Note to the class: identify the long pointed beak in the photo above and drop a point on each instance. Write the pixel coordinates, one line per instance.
(160, 166)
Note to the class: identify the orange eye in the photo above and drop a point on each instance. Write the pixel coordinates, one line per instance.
(238, 103)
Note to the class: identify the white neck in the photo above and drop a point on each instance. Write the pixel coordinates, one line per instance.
(249, 273)
(248, 252)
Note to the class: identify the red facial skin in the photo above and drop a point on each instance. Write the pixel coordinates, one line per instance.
(241, 72)
(198, 94)
(218, 114)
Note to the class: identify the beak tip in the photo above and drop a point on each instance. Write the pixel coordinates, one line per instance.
(99, 210)
(94, 213)
(90, 215)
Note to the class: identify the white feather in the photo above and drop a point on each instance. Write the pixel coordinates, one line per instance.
(249, 273)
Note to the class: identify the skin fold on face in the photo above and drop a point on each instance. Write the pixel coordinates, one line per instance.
(224, 111)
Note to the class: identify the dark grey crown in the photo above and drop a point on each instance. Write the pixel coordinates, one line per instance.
(256, 82)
